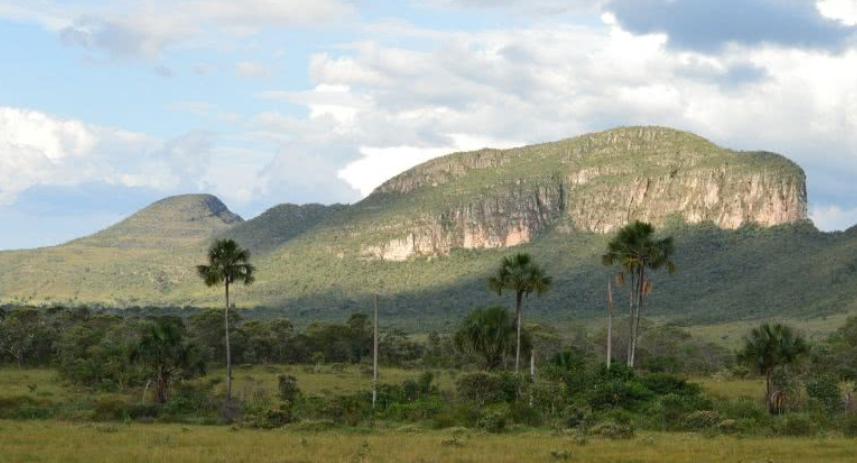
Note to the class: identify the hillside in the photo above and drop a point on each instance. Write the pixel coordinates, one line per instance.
(426, 239)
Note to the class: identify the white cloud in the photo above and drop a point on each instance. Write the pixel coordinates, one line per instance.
(38, 149)
(146, 29)
(833, 218)
(252, 70)
(844, 11)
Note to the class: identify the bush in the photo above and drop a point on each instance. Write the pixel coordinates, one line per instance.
(703, 419)
(795, 424)
(662, 384)
(824, 393)
(849, 428)
(487, 388)
(575, 415)
(268, 417)
(493, 419)
(110, 409)
(288, 388)
(613, 430)
(618, 393)
(25, 408)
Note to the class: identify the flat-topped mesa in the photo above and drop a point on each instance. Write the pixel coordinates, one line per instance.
(594, 183)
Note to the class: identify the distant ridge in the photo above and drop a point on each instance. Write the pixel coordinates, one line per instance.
(426, 239)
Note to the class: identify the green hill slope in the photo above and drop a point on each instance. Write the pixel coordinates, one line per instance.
(426, 239)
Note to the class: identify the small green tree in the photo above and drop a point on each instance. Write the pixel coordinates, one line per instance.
(521, 275)
(165, 355)
(768, 347)
(228, 264)
(488, 333)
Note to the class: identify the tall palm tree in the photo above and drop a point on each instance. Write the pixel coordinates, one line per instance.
(228, 264)
(522, 276)
(768, 347)
(636, 250)
(488, 333)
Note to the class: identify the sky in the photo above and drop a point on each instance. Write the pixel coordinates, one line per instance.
(106, 107)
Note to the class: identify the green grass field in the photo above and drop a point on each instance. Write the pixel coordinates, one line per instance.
(53, 441)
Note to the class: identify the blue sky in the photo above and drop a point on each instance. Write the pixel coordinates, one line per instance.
(106, 107)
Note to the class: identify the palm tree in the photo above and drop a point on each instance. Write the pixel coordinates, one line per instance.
(164, 353)
(228, 264)
(488, 333)
(520, 274)
(636, 250)
(768, 347)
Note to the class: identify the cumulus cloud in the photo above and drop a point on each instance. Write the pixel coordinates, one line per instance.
(252, 70)
(542, 7)
(844, 11)
(38, 149)
(394, 106)
(832, 217)
(711, 25)
(145, 29)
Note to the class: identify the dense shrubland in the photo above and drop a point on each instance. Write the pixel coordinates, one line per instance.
(571, 390)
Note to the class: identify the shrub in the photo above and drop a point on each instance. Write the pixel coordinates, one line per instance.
(824, 393)
(575, 415)
(487, 388)
(288, 388)
(795, 424)
(617, 393)
(849, 428)
(613, 430)
(493, 419)
(110, 408)
(703, 419)
(25, 408)
(662, 384)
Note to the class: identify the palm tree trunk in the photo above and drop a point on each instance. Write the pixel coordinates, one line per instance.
(636, 318)
(228, 349)
(633, 290)
(519, 316)
(375, 356)
(609, 323)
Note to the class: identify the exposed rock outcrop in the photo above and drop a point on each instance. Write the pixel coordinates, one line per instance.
(595, 183)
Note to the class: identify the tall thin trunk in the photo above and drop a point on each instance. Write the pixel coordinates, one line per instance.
(641, 289)
(228, 349)
(532, 363)
(633, 297)
(375, 356)
(609, 323)
(519, 311)
(161, 385)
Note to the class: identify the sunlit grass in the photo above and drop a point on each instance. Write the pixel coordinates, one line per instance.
(56, 441)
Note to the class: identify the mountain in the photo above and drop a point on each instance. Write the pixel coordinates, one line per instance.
(140, 259)
(426, 239)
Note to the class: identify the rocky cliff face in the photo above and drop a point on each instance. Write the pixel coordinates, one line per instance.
(595, 183)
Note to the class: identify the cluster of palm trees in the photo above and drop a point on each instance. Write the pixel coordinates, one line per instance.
(635, 250)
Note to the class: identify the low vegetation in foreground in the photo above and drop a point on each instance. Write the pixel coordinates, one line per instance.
(131, 443)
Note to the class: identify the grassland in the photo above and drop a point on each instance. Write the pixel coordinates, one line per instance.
(67, 442)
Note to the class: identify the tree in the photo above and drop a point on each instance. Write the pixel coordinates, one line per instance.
(165, 355)
(522, 276)
(768, 347)
(635, 250)
(228, 264)
(488, 333)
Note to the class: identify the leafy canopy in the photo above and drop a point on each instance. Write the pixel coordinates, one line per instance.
(770, 346)
(635, 247)
(521, 275)
(227, 263)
